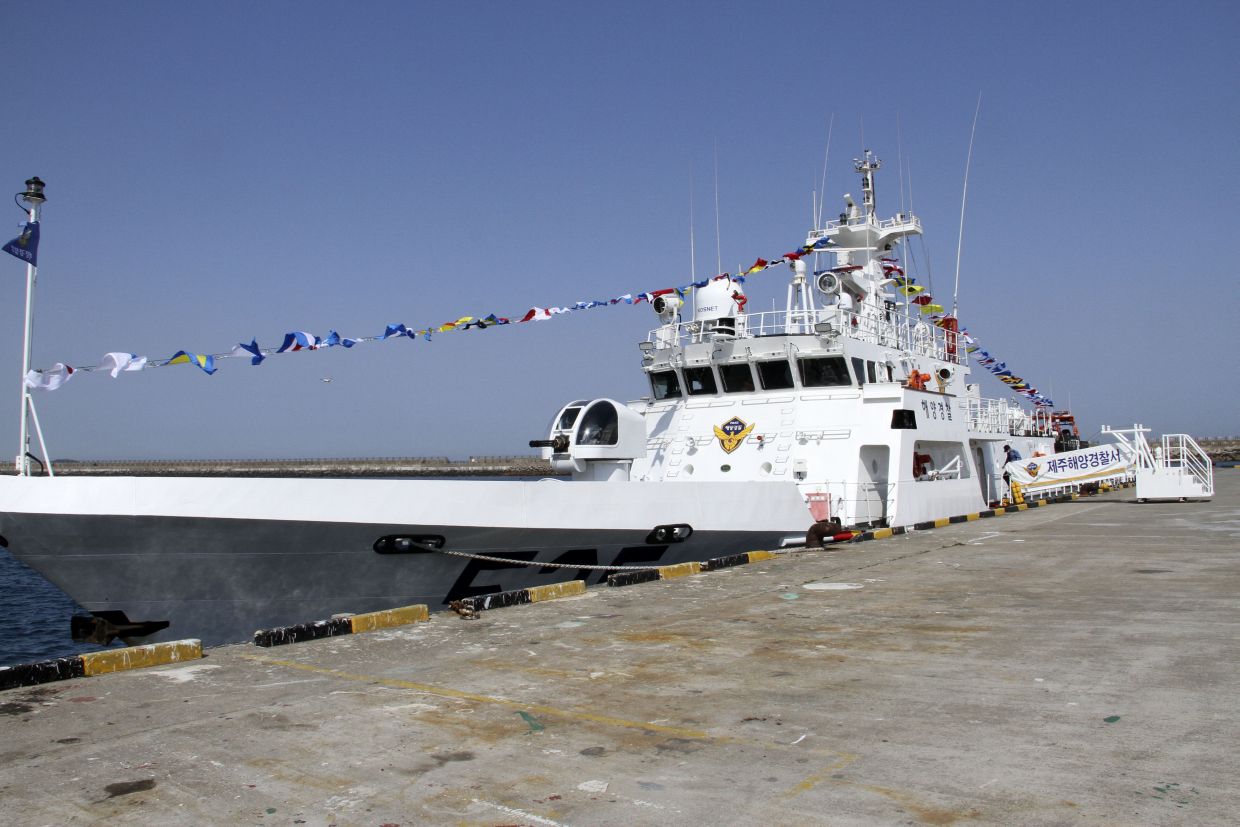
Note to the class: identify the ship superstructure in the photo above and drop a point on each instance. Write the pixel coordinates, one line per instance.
(850, 391)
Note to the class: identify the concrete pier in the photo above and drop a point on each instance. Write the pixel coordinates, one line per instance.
(1073, 664)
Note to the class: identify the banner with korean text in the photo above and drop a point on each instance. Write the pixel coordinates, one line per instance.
(1094, 464)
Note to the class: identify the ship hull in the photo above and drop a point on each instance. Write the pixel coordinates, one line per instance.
(218, 559)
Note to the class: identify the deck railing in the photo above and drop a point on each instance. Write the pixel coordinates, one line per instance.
(898, 220)
(892, 328)
(1002, 416)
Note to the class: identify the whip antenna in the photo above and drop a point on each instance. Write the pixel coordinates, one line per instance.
(963, 197)
(692, 244)
(718, 242)
(826, 156)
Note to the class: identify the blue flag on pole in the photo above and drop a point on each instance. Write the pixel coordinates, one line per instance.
(26, 245)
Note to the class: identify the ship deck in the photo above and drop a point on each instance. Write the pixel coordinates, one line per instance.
(1075, 663)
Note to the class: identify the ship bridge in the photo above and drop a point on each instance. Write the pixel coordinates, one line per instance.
(844, 324)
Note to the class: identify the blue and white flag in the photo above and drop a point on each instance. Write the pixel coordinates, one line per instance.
(26, 245)
(334, 339)
(252, 350)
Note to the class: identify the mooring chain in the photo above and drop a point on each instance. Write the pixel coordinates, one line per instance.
(510, 561)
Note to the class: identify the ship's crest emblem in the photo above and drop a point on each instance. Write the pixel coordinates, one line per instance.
(1032, 468)
(732, 433)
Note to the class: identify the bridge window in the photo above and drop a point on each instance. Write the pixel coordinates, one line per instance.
(823, 373)
(700, 380)
(665, 384)
(859, 369)
(736, 378)
(775, 375)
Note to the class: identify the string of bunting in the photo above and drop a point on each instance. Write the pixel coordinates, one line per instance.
(917, 295)
(118, 362)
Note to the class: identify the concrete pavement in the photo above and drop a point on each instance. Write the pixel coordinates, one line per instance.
(1074, 664)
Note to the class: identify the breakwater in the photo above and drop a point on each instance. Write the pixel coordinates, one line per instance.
(1219, 449)
(480, 466)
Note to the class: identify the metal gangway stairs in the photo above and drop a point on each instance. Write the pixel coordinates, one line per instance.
(1175, 468)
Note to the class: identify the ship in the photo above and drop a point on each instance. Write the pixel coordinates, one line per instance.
(849, 409)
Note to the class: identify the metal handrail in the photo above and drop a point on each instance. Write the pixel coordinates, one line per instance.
(898, 220)
(1192, 459)
(890, 328)
(1001, 416)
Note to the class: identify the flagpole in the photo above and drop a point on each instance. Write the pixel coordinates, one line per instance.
(34, 198)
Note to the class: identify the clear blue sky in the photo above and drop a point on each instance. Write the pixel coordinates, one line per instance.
(224, 171)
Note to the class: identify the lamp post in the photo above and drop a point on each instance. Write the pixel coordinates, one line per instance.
(33, 198)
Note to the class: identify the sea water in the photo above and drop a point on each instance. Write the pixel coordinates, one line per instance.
(34, 616)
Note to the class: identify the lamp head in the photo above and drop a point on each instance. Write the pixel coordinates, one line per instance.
(34, 192)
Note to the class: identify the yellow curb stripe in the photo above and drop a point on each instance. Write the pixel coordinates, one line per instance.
(551, 592)
(758, 556)
(968, 518)
(388, 618)
(883, 533)
(680, 570)
(140, 657)
(942, 522)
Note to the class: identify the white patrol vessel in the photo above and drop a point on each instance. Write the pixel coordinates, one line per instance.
(849, 407)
